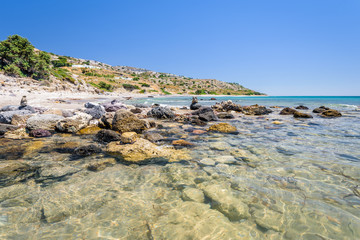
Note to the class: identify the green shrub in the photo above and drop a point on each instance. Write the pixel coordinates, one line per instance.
(61, 62)
(63, 74)
(200, 92)
(142, 91)
(105, 86)
(164, 91)
(145, 85)
(130, 87)
(12, 70)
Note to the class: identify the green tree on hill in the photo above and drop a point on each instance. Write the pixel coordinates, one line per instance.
(18, 58)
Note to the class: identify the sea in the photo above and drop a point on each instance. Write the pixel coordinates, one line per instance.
(277, 178)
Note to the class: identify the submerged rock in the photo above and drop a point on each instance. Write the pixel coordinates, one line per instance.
(223, 127)
(287, 111)
(182, 143)
(330, 113)
(206, 114)
(39, 133)
(106, 135)
(43, 121)
(15, 171)
(125, 121)
(87, 150)
(302, 115)
(161, 113)
(193, 194)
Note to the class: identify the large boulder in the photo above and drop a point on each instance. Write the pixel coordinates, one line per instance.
(143, 150)
(106, 135)
(107, 119)
(330, 113)
(256, 110)
(6, 117)
(320, 109)
(125, 121)
(96, 112)
(287, 111)
(302, 115)
(206, 114)
(73, 124)
(194, 104)
(161, 113)
(43, 121)
(223, 128)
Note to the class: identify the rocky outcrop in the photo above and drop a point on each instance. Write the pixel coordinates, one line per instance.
(206, 114)
(287, 111)
(43, 121)
(73, 124)
(143, 150)
(194, 104)
(106, 135)
(161, 113)
(125, 121)
(331, 113)
(320, 109)
(302, 115)
(223, 128)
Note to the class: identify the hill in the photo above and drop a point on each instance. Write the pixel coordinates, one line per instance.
(19, 58)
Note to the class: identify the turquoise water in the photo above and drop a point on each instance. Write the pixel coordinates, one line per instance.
(339, 103)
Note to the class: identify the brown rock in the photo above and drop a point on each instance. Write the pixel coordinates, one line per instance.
(198, 132)
(302, 115)
(182, 143)
(125, 121)
(331, 113)
(320, 109)
(20, 120)
(287, 111)
(223, 127)
(89, 130)
(129, 137)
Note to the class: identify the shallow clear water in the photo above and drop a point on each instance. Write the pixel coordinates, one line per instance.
(297, 180)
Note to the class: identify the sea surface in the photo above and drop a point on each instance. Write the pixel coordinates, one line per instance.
(295, 180)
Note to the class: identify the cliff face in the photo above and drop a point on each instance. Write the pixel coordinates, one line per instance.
(118, 78)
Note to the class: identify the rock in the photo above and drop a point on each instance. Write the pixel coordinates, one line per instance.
(140, 105)
(153, 136)
(87, 150)
(19, 133)
(90, 130)
(227, 159)
(256, 110)
(277, 122)
(193, 194)
(330, 113)
(125, 121)
(39, 133)
(19, 120)
(320, 109)
(212, 98)
(206, 114)
(6, 117)
(67, 113)
(107, 119)
(90, 105)
(225, 106)
(101, 164)
(207, 162)
(113, 107)
(198, 132)
(194, 104)
(287, 111)
(198, 122)
(136, 110)
(9, 108)
(15, 171)
(223, 200)
(129, 137)
(96, 112)
(6, 127)
(219, 146)
(43, 121)
(223, 127)
(268, 219)
(301, 107)
(182, 143)
(302, 115)
(73, 124)
(161, 113)
(105, 135)
(225, 116)
(143, 150)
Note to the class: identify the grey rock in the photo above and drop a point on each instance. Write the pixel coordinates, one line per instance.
(96, 112)
(113, 107)
(43, 121)
(90, 105)
(161, 113)
(6, 128)
(5, 117)
(106, 135)
(206, 114)
(141, 105)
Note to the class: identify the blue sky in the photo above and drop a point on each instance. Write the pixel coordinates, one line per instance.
(280, 47)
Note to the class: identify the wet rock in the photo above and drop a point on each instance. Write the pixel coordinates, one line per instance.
(161, 113)
(90, 105)
(43, 121)
(197, 121)
(182, 143)
(227, 159)
(330, 113)
(320, 109)
(223, 128)
(136, 110)
(6, 127)
(113, 107)
(268, 219)
(194, 104)
(125, 121)
(207, 162)
(198, 132)
(106, 135)
(277, 122)
(212, 98)
(73, 124)
(6, 117)
(225, 116)
(302, 115)
(143, 150)
(9, 108)
(39, 133)
(225, 106)
(301, 107)
(129, 137)
(100, 164)
(15, 171)
(224, 201)
(193, 194)
(90, 130)
(87, 150)
(287, 111)
(19, 133)
(107, 119)
(153, 136)
(206, 114)
(96, 112)
(256, 110)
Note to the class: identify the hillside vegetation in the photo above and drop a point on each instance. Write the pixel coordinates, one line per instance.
(18, 57)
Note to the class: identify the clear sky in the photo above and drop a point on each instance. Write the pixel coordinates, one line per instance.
(280, 47)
